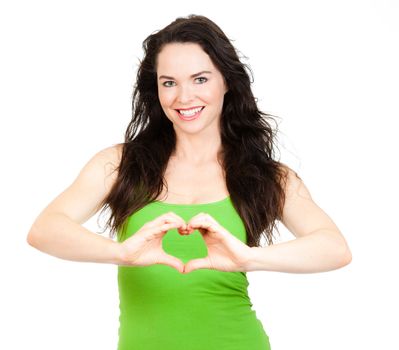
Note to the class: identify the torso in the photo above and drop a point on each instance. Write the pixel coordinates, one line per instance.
(189, 184)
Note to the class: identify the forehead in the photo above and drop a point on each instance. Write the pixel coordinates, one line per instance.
(182, 59)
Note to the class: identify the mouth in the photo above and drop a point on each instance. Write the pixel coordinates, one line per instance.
(191, 114)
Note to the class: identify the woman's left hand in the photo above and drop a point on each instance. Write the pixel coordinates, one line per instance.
(225, 251)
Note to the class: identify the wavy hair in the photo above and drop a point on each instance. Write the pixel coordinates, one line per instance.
(254, 179)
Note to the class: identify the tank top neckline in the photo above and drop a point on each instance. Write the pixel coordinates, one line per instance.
(158, 202)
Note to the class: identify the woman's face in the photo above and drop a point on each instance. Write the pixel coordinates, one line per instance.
(187, 79)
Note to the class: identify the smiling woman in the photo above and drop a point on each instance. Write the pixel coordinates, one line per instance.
(197, 138)
(205, 139)
(192, 96)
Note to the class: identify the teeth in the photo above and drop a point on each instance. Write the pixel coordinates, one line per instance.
(190, 112)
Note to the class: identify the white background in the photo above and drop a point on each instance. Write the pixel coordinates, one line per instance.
(329, 69)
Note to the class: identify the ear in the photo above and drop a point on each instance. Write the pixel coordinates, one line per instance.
(225, 85)
(225, 88)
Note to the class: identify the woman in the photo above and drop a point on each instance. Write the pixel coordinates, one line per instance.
(191, 190)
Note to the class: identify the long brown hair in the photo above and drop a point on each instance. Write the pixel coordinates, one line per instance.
(254, 179)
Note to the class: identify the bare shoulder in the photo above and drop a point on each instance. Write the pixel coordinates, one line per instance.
(293, 184)
(301, 214)
(111, 155)
(86, 194)
(109, 159)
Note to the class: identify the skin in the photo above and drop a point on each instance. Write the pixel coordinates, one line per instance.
(322, 247)
(197, 141)
(319, 244)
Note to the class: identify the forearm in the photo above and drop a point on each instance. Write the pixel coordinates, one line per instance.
(58, 235)
(320, 251)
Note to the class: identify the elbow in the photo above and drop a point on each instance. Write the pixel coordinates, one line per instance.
(33, 237)
(345, 257)
(343, 252)
(30, 239)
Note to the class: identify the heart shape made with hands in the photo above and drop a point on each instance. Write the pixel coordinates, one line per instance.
(225, 252)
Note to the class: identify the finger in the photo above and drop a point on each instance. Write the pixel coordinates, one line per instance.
(178, 218)
(184, 231)
(198, 216)
(171, 261)
(170, 217)
(203, 224)
(160, 229)
(167, 226)
(204, 217)
(196, 264)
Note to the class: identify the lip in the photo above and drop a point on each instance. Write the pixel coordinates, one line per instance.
(195, 116)
(186, 109)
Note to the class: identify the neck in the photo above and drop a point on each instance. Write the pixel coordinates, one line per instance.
(197, 149)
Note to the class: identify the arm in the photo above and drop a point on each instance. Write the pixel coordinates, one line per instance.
(58, 229)
(58, 235)
(320, 251)
(319, 245)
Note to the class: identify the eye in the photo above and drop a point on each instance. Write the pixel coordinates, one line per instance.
(169, 81)
(166, 83)
(203, 78)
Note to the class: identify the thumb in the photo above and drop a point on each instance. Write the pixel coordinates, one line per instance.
(171, 261)
(196, 264)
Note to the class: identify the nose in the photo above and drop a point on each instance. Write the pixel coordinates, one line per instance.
(185, 94)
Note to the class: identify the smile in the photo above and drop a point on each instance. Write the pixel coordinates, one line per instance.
(190, 114)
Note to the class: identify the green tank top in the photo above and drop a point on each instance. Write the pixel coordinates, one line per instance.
(161, 308)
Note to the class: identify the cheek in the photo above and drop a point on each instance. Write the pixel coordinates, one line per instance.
(165, 99)
(212, 94)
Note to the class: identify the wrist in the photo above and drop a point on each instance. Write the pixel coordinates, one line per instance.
(118, 253)
(253, 259)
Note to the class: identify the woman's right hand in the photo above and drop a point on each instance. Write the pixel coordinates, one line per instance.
(144, 247)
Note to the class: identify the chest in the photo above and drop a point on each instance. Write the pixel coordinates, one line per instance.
(187, 184)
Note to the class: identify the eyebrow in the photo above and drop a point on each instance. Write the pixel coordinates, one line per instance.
(192, 76)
